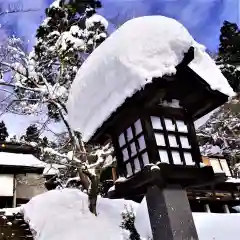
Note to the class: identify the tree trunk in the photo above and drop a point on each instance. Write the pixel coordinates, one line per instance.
(93, 193)
(84, 179)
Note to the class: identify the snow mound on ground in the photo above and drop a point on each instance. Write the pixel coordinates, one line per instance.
(139, 50)
(63, 214)
(210, 226)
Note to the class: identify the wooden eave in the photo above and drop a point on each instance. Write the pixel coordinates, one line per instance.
(13, 169)
(17, 148)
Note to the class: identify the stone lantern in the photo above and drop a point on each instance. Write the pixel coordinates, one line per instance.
(143, 90)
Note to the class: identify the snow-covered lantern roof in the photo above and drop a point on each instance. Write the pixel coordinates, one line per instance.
(143, 87)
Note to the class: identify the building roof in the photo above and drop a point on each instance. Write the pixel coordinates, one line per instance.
(20, 163)
(17, 147)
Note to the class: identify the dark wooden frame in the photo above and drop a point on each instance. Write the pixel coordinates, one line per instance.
(13, 147)
(8, 169)
(194, 94)
(150, 142)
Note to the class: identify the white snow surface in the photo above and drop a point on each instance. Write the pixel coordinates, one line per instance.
(63, 214)
(55, 4)
(18, 159)
(96, 18)
(125, 62)
(233, 180)
(210, 226)
(10, 211)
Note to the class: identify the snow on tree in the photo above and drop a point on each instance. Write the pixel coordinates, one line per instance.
(32, 133)
(70, 32)
(228, 56)
(12, 53)
(3, 131)
(220, 134)
(64, 39)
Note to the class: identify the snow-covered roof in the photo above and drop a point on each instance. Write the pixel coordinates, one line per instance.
(76, 221)
(18, 159)
(10, 211)
(233, 180)
(43, 213)
(125, 62)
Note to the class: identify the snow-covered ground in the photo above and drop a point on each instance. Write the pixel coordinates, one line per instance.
(63, 214)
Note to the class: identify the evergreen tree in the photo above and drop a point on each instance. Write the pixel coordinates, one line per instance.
(229, 43)
(229, 54)
(128, 219)
(71, 31)
(44, 142)
(32, 133)
(3, 131)
(13, 139)
(220, 134)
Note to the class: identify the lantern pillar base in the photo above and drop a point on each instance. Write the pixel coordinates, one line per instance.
(170, 214)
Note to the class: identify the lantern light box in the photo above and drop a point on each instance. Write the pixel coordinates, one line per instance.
(171, 143)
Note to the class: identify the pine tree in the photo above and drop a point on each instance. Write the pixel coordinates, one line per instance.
(44, 142)
(71, 31)
(220, 134)
(229, 43)
(128, 219)
(3, 131)
(32, 133)
(229, 54)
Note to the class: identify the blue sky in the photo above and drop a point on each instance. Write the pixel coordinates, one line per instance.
(203, 18)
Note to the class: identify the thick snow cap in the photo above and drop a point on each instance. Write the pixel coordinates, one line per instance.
(139, 50)
(18, 159)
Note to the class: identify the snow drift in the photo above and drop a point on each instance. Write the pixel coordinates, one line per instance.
(63, 214)
(139, 50)
(210, 226)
